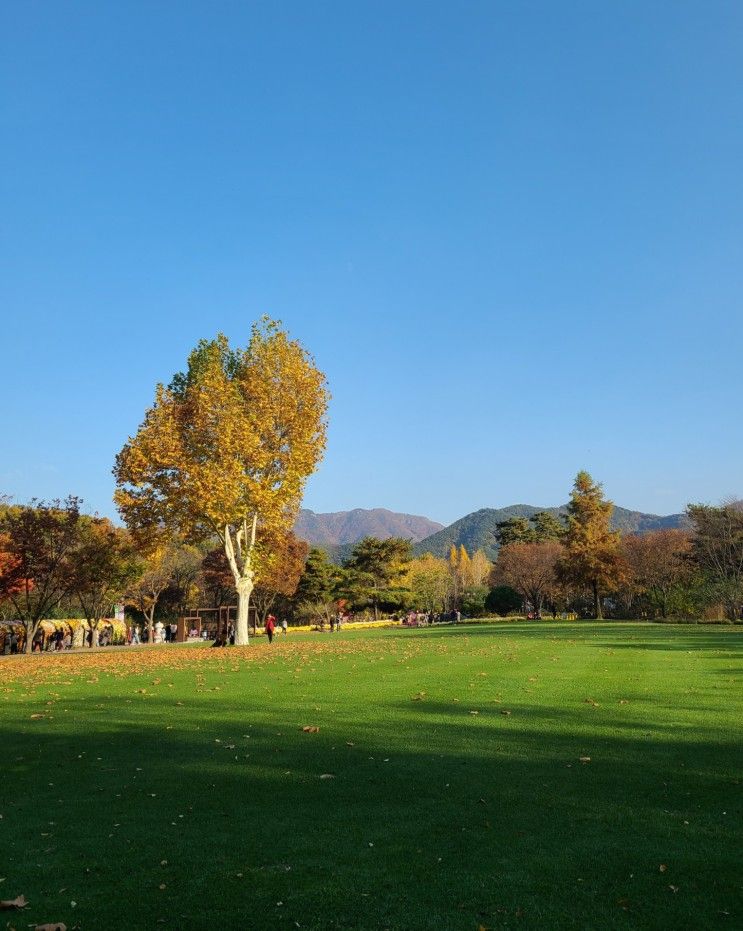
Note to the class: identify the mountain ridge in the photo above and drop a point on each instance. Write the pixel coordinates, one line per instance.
(477, 530)
(339, 528)
(338, 531)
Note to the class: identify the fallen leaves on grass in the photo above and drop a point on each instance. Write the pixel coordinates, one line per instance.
(55, 926)
(65, 668)
(311, 729)
(327, 776)
(662, 868)
(584, 759)
(19, 902)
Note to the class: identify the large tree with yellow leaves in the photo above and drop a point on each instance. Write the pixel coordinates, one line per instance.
(593, 557)
(226, 450)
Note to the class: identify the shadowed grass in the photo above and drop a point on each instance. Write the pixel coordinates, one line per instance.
(458, 798)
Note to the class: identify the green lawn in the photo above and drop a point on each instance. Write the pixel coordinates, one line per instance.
(175, 788)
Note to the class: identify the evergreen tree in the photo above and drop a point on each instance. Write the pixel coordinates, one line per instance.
(547, 527)
(318, 581)
(542, 527)
(514, 530)
(376, 566)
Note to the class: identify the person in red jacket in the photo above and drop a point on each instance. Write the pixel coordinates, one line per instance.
(270, 627)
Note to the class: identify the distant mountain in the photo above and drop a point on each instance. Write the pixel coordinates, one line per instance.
(341, 528)
(476, 530)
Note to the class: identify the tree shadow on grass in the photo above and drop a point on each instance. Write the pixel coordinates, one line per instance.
(626, 635)
(715, 646)
(472, 630)
(432, 818)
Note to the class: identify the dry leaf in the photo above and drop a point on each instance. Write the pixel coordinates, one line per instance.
(311, 729)
(19, 902)
(662, 868)
(51, 927)
(505, 712)
(36, 717)
(585, 759)
(327, 776)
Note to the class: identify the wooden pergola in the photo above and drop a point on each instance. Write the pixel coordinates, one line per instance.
(216, 622)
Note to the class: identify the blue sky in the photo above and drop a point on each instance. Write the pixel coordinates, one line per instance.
(510, 233)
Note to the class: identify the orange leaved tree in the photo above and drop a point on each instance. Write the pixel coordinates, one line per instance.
(593, 557)
(530, 569)
(39, 544)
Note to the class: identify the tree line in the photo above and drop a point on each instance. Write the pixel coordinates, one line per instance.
(576, 564)
(56, 561)
(580, 564)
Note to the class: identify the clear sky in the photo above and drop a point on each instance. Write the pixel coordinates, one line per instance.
(511, 233)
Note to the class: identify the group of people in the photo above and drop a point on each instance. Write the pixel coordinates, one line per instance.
(336, 621)
(161, 633)
(12, 642)
(44, 640)
(58, 640)
(426, 618)
(12, 638)
(223, 638)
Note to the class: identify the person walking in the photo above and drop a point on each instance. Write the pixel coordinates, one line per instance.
(270, 627)
(284, 626)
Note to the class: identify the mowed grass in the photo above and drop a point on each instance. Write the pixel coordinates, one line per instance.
(175, 788)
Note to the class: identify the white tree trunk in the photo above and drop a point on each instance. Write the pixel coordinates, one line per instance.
(244, 590)
(241, 564)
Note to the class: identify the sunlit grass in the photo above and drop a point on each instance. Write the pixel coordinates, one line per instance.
(564, 775)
